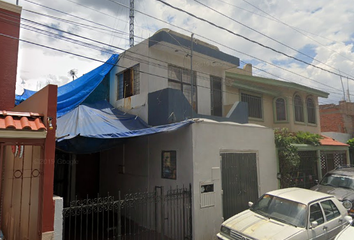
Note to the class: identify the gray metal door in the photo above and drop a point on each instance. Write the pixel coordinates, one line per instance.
(239, 182)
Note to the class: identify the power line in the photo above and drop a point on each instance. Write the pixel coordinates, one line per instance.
(230, 18)
(153, 17)
(248, 39)
(261, 60)
(293, 28)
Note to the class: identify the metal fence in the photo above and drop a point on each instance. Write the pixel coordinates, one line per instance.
(144, 215)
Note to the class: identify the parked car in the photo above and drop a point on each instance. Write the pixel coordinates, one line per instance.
(347, 233)
(340, 183)
(289, 213)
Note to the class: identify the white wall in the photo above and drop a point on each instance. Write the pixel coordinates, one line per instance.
(341, 137)
(209, 140)
(154, 76)
(198, 148)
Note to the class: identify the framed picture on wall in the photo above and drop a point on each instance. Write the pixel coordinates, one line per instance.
(168, 164)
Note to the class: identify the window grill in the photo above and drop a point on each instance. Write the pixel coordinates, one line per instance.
(299, 109)
(254, 105)
(280, 109)
(311, 113)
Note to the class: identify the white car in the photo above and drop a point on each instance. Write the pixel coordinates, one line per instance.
(347, 233)
(290, 213)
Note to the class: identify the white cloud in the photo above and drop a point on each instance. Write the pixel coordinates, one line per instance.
(324, 25)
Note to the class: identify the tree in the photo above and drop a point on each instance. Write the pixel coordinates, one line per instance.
(289, 159)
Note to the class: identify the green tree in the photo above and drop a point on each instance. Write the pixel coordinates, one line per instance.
(289, 159)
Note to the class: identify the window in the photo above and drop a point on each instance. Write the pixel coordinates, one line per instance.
(128, 82)
(280, 109)
(299, 109)
(311, 111)
(330, 209)
(216, 96)
(180, 78)
(316, 214)
(254, 105)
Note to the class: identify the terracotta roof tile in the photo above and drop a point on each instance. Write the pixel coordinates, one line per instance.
(327, 141)
(21, 121)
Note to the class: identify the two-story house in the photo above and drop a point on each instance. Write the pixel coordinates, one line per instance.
(219, 88)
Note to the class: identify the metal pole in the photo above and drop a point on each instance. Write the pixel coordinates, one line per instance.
(192, 74)
(131, 23)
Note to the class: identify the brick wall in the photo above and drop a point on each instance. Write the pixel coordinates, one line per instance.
(10, 26)
(336, 118)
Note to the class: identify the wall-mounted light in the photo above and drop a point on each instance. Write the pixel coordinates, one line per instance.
(50, 125)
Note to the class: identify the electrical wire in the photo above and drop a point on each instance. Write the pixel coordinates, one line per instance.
(302, 76)
(248, 39)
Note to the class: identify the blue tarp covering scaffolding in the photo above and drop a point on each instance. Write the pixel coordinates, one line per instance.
(89, 128)
(96, 127)
(72, 94)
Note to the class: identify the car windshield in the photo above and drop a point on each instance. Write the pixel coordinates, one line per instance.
(337, 180)
(283, 210)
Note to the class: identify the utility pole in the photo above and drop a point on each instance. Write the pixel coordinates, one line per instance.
(131, 24)
(192, 77)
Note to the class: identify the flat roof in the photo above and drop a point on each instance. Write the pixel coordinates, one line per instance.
(169, 36)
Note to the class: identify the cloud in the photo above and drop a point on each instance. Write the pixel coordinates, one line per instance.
(321, 29)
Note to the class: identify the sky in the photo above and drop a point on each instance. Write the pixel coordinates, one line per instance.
(300, 41)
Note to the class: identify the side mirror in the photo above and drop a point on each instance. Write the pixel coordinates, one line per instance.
(348, 219)
(250, 204)
(314, 224)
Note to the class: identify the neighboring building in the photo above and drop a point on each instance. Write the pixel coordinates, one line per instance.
(273, 103)
(337, 121)
(10, 30)
(27, 145)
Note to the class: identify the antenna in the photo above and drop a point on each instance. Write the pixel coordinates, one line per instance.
(131, 24)
(340, 76)
(348, 89)
(72, 73)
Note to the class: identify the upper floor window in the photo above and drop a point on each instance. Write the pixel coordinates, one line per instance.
(311, 110)
(280, 109)
(180, 78)
(299, 109)
(216, 96)
(254, 105)
(128, 82)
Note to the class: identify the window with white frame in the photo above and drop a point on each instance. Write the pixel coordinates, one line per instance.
(280, 109)
(180, 78)
(255, 109)
(311, 110)
(128, 82)
(298, 108)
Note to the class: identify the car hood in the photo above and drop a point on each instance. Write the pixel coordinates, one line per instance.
(259, 227)
(347, 233)
(340, 193)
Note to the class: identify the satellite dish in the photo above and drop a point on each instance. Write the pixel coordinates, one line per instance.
(72, 73)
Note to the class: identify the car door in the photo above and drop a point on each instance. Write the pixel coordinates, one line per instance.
(318, 232)
(333, 218)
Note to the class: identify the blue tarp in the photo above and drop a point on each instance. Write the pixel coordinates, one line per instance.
(72, 94)
(96, 127)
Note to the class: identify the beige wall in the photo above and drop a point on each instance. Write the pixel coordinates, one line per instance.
(233, 94)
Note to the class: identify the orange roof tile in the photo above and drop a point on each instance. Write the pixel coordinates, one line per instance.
(21, 121)
(327, 141)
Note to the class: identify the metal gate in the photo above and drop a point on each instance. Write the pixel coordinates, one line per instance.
(144, 215)
(331, 160)
(239, 182)
(20, 191)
